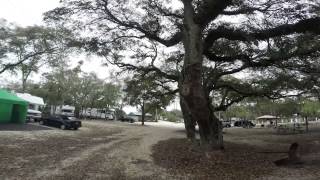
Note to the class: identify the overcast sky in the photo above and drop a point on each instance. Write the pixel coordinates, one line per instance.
(25, 12)
(28, 13)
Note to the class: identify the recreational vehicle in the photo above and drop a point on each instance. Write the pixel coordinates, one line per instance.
(35, 106)
(65, 110)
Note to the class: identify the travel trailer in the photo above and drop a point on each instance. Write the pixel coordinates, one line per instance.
(94, 113)
(105, 114)
(90, 113)
(65, 110)
(36, 104)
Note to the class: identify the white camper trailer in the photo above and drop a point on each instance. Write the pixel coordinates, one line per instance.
(65, 110)
(105, 114)
(90, 113)
(94, 113)
(35, 106)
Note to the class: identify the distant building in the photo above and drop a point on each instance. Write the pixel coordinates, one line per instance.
(266, 120)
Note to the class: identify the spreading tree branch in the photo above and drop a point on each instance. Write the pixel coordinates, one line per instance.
(208, 10)
(145, 70)
(303, 26)
(175, 39)
(25, 58)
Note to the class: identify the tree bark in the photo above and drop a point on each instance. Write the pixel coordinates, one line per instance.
(25, 75)
(142, 114)
(77, 112)
(307, 124)
(192, 90)
(189, 123)
(24, 86)
(24, 82)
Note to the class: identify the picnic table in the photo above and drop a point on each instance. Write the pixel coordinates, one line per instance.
(287, 129)
(298, 128)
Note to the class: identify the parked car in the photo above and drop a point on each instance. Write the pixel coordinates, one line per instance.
(226, 124)
(126, 118)
(244, 123)
(61, 121)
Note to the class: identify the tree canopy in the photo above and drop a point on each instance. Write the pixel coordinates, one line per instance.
(30, 47)
(217, 52)
(72, 86)
(147, 94)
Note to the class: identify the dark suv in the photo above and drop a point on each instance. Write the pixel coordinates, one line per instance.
(61, 121)
(126, 118)
(244, 123)
(226, 124)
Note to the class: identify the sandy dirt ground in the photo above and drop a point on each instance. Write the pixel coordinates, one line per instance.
(98, 150)
(116, 150)
(270, 141)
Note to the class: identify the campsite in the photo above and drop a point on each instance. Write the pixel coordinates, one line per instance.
(160, 89)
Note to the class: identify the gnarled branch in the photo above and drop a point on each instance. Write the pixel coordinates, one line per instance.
(303, 26)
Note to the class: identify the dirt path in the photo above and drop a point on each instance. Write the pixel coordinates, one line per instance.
(127, 156)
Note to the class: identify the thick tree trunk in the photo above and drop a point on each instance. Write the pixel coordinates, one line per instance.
(307, 124)
(190, 124)
(24, 83)
(142, 114)
(77, 112)
(192, 91)
(25, 75)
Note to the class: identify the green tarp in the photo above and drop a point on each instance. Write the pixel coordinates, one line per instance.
(12, 108)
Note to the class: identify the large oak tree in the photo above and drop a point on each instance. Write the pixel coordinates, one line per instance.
(275, 43)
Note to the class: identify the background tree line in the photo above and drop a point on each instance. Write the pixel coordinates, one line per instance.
(70, 86)
(284, 108)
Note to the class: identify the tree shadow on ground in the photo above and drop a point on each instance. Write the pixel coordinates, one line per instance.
(23, 127)
(238, 161)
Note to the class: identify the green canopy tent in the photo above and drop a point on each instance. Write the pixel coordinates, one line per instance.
(12, 108)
